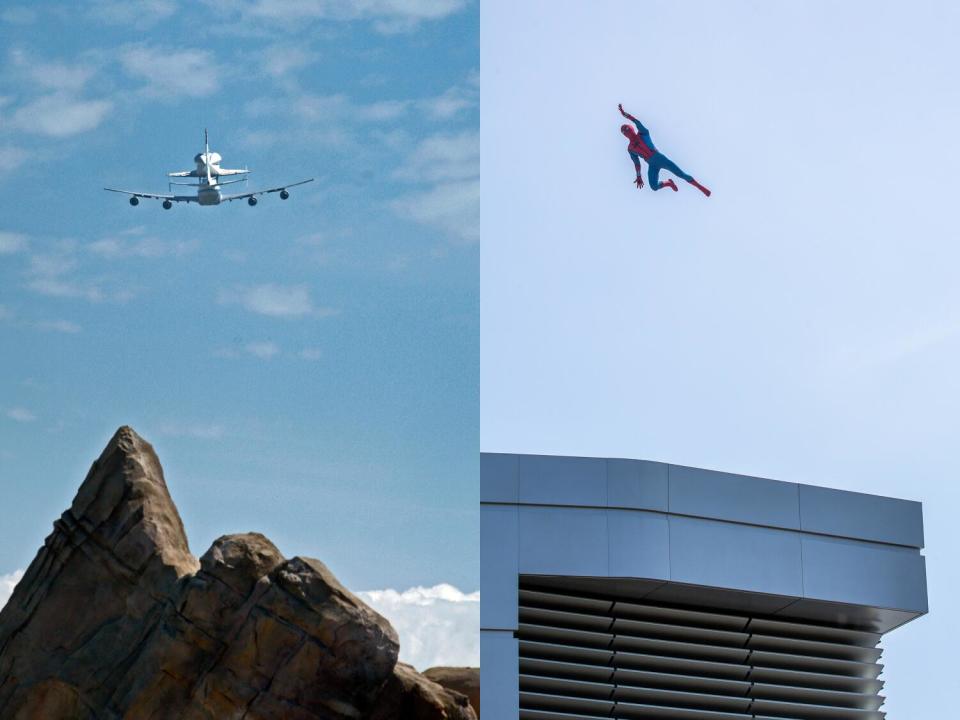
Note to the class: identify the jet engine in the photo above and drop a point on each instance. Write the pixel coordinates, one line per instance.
(251, 201)
(284, 194)
(134, 201)
(167, 204)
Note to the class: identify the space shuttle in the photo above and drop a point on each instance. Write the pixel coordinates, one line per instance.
(208, 165)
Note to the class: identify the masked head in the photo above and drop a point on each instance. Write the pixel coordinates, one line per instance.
(628, 131)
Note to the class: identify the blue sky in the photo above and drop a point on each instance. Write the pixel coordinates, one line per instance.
(307, 369)
(803, 323)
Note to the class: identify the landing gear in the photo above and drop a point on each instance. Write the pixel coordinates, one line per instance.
(251, 201)
(284, 194)
(134, 201)
(167, 204)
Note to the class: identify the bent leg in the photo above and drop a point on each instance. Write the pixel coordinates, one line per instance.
(653, 172)
(670, 165)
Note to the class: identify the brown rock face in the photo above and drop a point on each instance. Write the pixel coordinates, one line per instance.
(464, 680)
(116, 619)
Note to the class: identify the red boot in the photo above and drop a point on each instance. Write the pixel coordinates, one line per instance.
(670, 184)
(700, 187)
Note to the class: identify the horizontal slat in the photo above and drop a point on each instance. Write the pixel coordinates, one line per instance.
(673, 698)
(556, 601)
(812, 712)
(575, 671)
(688, 683)
(794, 646)
(692, 618)
(810, 696)
(580, 638)
(566, 653)
(526, 714)
(823, 633)
(825, 681)
(660, 663)
(658, 712)
(702, 636)
(849, 668)
(566, 687)
(652, 646)
(541, 701)
(565, 619)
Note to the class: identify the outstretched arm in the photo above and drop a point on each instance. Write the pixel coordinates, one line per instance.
(640, 128)
(639, 168)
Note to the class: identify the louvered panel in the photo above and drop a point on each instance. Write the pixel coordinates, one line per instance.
(592, 657)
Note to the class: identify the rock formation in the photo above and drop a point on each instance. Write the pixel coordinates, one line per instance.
(464, 680)
(116, 619)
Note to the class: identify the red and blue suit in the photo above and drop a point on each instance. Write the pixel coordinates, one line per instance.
(641, 146)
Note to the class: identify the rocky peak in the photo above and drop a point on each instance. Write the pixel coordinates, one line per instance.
(116, 619)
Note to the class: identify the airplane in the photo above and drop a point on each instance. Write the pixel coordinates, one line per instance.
(208, 173)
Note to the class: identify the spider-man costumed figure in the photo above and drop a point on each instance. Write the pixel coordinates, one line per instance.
(641, 146)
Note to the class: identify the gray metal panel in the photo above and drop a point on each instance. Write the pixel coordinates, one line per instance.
(861, 573)
(563, 541)
(499, 674)
(638, 484)
(499, 477)
(738, 498)
(639, 544)
(865, 517)
(549, 480)
(743, 557)
(498, 566)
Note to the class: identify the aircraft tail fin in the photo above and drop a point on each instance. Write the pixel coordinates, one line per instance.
(206, 149)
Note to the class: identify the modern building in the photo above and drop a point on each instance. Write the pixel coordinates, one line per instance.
(632, 589)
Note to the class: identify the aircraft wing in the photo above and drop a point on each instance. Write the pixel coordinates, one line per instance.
(241, 196)
(224, 171)
(185, 173)
(154, 196)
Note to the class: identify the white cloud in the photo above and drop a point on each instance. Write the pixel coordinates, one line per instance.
(21, 415)
(11, 158)
(143, 13)
(454, 100)
(139, 247)
(451, 207)
(19, 15)
(274, 300)
(171, 73)
(12, 242)
(310, 353)
(263, 350)
(439, 625)
(443, 157)
(53, 75)
(7, 584)
(54, 274)
(388, 16)
(60, 114)
(61, 326)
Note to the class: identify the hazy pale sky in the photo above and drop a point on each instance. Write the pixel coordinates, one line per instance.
(803, 323)
(307, 369)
